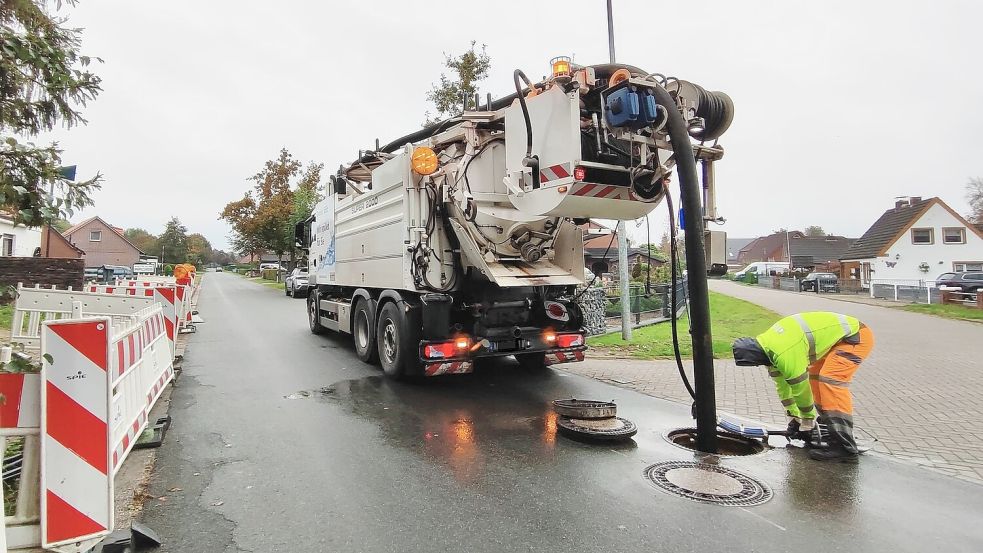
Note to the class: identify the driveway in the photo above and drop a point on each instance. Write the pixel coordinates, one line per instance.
(917, 393)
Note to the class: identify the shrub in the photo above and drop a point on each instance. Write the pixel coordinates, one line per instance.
(168, 270)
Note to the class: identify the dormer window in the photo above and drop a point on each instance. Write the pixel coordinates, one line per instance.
(923, 236)
(954, 235)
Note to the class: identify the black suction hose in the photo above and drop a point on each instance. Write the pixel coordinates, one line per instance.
(525, 110)
(673, 271)
(696, 263)
(530, 160)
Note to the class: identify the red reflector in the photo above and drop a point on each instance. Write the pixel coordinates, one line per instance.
(439, 351)
(569, 340)
(579, 173)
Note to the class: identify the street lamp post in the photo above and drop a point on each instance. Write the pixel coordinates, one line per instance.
(621, 228)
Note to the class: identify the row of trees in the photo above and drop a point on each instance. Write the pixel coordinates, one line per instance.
(175, 245)
(284, 193)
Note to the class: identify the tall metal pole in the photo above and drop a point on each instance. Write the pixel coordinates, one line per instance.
(621, 229)
(610, 32)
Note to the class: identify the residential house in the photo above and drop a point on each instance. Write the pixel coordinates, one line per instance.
(102, 243)
(263, 257)
(916, 240)
(767, 248)
(734, 246)
(602, 253)
(820, 253)
(18, 241)
(55, 245)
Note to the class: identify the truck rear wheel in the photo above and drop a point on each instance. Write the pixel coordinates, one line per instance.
(398, 343)
(314, 313)
(364, 332)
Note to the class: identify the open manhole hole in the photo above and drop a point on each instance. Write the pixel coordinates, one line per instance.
(707, 483)
(728, 444)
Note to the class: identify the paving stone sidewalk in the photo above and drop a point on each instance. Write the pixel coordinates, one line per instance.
(917, 392)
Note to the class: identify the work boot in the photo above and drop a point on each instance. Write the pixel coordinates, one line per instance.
(835, 452)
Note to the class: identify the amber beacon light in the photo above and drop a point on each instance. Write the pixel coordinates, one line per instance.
(424, 161)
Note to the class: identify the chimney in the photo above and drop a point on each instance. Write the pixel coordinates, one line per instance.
(914, 200)
(898, 204)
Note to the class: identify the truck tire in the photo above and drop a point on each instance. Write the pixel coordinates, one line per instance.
(313, 313)
(398, 343)
(532, 361)
(363, 331)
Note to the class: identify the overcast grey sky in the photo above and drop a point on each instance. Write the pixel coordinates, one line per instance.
(841, 105)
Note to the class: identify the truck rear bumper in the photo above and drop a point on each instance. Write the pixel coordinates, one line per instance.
(466, 365)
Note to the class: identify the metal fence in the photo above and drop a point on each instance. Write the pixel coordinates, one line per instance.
(822, 285)
(654, 303)
(911, 291)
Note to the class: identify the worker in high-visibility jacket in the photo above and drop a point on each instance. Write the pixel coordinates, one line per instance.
(812, 358)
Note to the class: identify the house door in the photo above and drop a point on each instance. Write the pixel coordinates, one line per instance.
(864, 274)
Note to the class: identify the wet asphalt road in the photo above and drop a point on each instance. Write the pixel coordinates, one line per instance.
(284, 441)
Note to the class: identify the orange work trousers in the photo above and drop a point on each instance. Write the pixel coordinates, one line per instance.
(830, 379)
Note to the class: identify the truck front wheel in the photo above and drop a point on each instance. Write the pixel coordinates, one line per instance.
(364, 332)
(314, 313)
(398, 342)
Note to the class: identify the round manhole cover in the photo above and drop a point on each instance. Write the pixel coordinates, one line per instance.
(584, 409)
(707, 483)
(614, 428)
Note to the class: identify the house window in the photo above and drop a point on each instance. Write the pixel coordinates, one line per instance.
(7, 245)
(922, 236)
(963, 266)
(954, 235)
(95, 236)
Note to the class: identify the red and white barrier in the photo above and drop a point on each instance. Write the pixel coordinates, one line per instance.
(35, 305)
(100, 378)
(98, 391)
(184, 294)
(20, 417)
(168, 295)
(141, 367)
(76, 482)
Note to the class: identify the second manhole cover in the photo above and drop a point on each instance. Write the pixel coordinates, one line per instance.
(707, 483)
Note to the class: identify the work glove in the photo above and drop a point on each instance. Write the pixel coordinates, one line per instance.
(793, 426)
(806, 425)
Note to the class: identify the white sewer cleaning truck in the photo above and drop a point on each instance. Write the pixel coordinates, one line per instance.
(461, 241)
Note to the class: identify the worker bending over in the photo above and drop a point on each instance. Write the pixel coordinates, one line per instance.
(823, 349)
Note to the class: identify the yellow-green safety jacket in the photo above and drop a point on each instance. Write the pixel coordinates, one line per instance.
(794, 343)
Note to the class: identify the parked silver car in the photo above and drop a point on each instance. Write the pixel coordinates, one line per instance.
(296, 283)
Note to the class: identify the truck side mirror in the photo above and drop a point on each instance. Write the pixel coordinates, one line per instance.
(299, 235)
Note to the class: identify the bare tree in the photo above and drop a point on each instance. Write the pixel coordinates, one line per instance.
(974, 195)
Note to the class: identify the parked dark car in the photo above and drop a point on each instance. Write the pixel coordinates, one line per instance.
(827, 282)
(965, 281)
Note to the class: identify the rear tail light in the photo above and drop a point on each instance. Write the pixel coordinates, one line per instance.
(569, 340)
(579, 173)
(445, 350)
